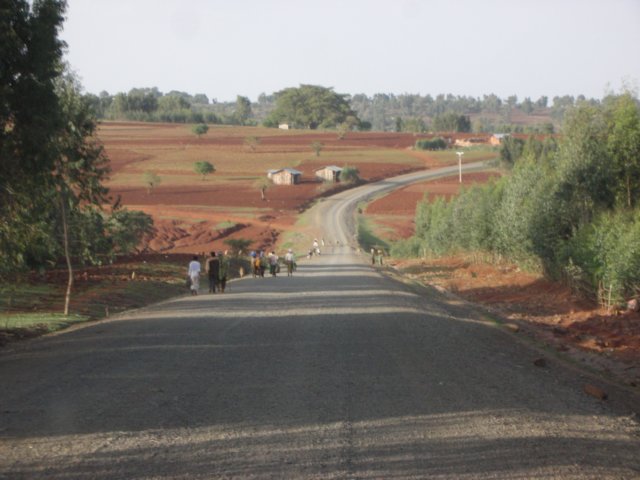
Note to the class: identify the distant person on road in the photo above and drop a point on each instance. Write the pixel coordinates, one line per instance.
(223, 269)
(273, 264)
(212, 267)
(255, 263)
(373, 257)
(194, 275)
(264, 262)
(380, 255)
(290, 261)
(316, 247)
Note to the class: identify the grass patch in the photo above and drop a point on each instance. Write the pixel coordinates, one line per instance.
(226, 224)
(34, 305)
(471, 154)
(46, 322)
(367, 239)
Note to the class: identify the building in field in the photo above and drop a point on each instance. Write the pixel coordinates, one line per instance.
(285, 176)
(283, 126)
(329, 174)
(497, 138)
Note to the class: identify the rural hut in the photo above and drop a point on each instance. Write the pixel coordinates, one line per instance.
(329, 174)
(285, 176)
(497, 138)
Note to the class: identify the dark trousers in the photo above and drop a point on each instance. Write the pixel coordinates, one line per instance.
(213, 283)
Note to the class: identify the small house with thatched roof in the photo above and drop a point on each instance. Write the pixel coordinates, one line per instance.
(285, 176)
(329, 174)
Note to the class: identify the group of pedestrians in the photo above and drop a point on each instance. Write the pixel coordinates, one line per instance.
(261, 260)
(217, 269)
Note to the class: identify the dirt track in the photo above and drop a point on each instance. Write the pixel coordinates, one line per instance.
(338, 372)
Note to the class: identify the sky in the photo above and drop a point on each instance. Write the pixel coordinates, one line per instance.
(225, 48)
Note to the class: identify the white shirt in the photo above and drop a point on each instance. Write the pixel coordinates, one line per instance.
(194, 267)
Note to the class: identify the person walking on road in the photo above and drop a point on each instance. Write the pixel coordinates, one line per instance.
(290, 261)
(273, 264)
(194, 275)
(255, 263)
(212, 267)
(223, 270)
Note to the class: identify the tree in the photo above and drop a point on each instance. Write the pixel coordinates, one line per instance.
(243, 109)
(263, 184)
(151, 180)
(510, 151)
(30, 119)
(127, 228)
(624, 147)
(238, 245)
(349, 174)
(200, 129)
(527, 106)
(311, 106)
(317, 147)
(451, 122)
(204, 168)
(80, 165)
(342, 130)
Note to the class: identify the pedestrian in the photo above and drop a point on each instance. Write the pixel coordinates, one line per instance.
(373, 257)
(264, 261)
(273, 264)
(255, 263)
(316, 247)
(212, 267)
(380, 255)
(194, 275)
(223, 271)
(290, 261)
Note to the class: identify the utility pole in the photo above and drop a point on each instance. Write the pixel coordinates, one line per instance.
(460, 154)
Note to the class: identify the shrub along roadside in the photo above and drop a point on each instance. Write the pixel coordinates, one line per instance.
(570, 210)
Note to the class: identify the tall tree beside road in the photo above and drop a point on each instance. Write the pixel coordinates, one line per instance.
(624, 145)
(30, 118)
(80, 164)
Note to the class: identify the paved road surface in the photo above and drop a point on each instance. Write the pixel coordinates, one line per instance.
(337, 372)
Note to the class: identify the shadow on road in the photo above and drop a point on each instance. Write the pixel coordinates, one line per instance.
(334, 372)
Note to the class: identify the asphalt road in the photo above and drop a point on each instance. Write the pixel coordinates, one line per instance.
(336, 372)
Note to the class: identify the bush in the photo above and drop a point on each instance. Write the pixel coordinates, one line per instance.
(407, 248)
(608, 252)
(437, 143)
(349, 174)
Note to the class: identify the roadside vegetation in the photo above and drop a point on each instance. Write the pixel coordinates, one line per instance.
(569, 207)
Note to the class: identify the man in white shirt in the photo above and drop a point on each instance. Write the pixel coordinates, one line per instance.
(194, 275)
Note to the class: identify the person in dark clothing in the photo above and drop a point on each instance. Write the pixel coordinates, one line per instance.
(224, 269)
(212, 267)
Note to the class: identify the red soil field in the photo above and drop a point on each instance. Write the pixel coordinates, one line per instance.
(186, 215)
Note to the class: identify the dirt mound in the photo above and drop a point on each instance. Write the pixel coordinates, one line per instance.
(173, 236)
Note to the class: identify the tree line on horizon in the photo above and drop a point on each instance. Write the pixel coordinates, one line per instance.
(381, 112)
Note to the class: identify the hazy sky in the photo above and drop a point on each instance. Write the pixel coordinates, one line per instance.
(225, 48)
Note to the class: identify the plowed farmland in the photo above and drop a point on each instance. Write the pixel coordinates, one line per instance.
(192, 214)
